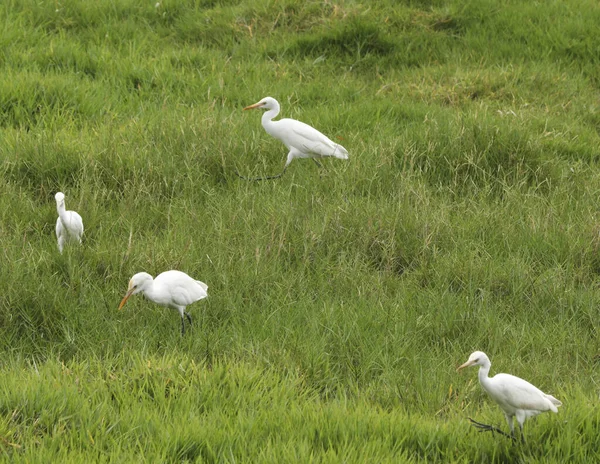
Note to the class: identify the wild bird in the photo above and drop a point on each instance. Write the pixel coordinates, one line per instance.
(302, 140)
(515, 396)
(69, 225)
(173, 289)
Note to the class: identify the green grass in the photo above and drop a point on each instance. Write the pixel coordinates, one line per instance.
(341, 298)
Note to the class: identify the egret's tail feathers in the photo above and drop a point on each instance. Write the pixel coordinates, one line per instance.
(340, 152)
(552, 403)
(554, 400)
(203, 285)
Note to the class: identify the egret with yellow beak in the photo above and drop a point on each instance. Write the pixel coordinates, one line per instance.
(302, 140)
(515, 396)
(173, 289)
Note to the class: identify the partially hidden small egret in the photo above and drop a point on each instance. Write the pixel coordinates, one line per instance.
(515, 396)
(69, 225)
(302, 140)
(173, 289)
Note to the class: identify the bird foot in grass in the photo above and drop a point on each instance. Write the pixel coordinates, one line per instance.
(277, 176)
(488, 428)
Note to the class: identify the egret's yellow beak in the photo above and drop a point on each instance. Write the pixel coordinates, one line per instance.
(126, 297)
(251, 107)
(462, 366)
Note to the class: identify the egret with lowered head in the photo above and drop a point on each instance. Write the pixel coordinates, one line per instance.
(69, 225)
(515, 396)
(302, 140)
(173, 289)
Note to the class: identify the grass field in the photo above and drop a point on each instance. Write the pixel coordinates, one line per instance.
(342, 298)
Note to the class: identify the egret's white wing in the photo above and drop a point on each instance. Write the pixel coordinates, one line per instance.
(520, 394)
(184, 295)
(72, 224)
(75, 224)
(307, 139)
(183, 289)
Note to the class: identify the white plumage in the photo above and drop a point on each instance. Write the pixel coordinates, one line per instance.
(69, 225)
(515, 396)
(173, 289)
(302, 140)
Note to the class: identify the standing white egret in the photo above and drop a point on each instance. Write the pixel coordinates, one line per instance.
(302, 140)
(69, 225)
(173, 289)
(515, 396)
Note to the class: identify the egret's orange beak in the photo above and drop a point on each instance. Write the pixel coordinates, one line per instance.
(251, 107)
(462, 366)
(126, 297)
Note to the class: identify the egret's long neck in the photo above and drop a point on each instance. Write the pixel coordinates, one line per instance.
(483, 374)
(62, 212)
(269, 115)
(149, 290)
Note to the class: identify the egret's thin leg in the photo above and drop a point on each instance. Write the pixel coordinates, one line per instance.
(261, 178)
(182, 326)
(317, 162)
(189, 318)
(511, 425)
(488, 428)
(522, 433)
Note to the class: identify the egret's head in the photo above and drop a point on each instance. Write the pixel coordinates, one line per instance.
(267, 103)
(477, 358)
(60, 197)
(137, 283)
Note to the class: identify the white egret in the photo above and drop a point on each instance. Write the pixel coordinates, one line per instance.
(69, 225)
(173, 289)
(515, 396)
(302, 140)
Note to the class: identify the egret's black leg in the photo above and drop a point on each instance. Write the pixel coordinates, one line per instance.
(189, 318)
(261, 178)
(319, 166)
(488, 428)
(182, 326)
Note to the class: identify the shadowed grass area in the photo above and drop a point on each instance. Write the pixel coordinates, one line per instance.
(341, 298)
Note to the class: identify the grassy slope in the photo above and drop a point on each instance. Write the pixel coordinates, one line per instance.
(340, 299)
